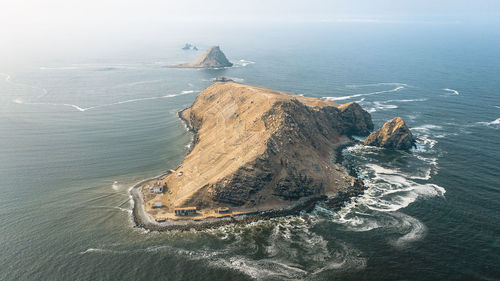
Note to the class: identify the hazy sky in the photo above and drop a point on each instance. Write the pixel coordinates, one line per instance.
(70, 11)
(25, 24)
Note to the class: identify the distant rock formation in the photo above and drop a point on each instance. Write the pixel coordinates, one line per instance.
(212, 58)
(257, 149)
(223, 79)
(393, 135)
(189, 46)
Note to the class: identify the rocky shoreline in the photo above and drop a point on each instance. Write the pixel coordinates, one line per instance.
(142, 220)
(288, 150)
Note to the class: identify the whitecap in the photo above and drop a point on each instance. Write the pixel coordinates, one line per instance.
(407, 100)
(424, 141)
(115, 186)
(101, 251)
(427, 128)
(451, 91)
(243, 63)
(492, 124)
(383, 106)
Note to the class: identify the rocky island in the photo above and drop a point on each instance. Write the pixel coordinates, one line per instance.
(212, 58)
(256, 152)
(394, 134)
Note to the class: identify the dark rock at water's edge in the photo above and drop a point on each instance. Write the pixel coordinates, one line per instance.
(223, 79)
(356, 120)
(393, 135)
(212, 58)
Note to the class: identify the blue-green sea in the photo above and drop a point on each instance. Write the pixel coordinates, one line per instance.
(77, 132)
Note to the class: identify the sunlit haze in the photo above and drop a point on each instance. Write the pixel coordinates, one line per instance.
(34, 28)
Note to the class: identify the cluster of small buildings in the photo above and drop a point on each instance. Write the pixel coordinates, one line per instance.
(157, 188)
(185, 211)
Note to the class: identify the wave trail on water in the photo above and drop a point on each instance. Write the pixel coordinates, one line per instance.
(82, 109)
(376, 84)
(451, 91)
(132, 84)
(492, 123)
(8, 79)
(398, 88)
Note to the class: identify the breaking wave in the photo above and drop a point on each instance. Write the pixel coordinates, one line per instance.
(290, 249)
(452, 91)
(492, 123)
(389, 190)
(384, 105)
(242, 63)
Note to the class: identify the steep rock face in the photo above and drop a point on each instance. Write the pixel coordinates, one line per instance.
(356, 120)
(393, 135)
(256, 148)
(213, 57)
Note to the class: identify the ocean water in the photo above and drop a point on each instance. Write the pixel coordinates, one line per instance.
(75, 135)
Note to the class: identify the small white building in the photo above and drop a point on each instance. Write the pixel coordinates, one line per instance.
(158, 189)
(157, 204)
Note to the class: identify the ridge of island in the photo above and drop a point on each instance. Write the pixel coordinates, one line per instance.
(256, 153)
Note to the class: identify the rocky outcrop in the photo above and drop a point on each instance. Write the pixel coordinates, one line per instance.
(223, 79)
(393, 135)
(189, 46)
(212, 58)
(257, 149)
(356, 120)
